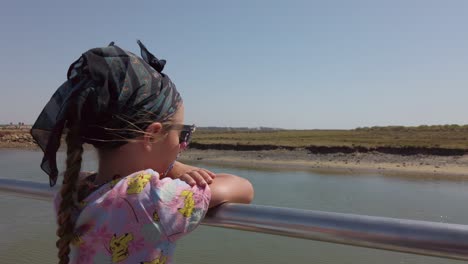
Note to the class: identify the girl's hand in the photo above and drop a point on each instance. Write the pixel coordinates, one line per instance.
(198, 176)
(191, 175)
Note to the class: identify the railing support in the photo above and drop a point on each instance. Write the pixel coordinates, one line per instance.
(410, 236)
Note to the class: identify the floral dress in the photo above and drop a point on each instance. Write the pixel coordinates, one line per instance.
(136, 219)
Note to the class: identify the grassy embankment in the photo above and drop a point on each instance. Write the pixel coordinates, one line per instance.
(450, 137)
(444, 137)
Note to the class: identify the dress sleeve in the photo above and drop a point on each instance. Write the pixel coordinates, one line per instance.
(180, 207)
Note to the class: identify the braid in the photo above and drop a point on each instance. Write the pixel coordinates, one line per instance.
(68, 193)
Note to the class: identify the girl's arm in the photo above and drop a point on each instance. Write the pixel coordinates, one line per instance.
(228, 188)
(224, 187)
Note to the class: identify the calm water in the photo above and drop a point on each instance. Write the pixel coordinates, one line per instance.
(27, 226)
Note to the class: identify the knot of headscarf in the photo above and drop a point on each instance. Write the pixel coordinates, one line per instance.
(111, 95)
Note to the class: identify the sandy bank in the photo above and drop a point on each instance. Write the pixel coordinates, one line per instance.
(356, 163)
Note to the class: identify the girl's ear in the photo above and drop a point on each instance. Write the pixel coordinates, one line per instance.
(152, 132)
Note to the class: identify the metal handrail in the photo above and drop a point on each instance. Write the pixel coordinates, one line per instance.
(410, 236)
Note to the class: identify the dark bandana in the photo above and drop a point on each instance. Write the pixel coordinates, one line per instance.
(110, 94)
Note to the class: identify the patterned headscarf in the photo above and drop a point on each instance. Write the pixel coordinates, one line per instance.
(110, 94)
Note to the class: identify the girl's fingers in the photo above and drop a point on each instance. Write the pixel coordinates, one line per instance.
(206, 176)
(212, 174)
(188, 179)
(200, 177)
(197, 176)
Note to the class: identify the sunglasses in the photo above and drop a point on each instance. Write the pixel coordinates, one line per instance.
(185, 135)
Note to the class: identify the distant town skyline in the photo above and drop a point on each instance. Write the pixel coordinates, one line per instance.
(293, 65)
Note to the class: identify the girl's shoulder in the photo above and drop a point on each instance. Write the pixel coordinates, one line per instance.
(175, 205)
(146, 182)
(165, 190)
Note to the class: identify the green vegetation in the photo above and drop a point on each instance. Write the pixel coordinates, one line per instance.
(441, 136)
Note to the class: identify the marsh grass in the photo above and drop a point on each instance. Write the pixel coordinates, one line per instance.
(441, 136)
(448, 136)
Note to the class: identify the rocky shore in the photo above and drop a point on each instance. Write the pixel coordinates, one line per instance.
(10, 139)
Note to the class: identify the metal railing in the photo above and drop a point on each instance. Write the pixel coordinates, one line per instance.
(410, 236)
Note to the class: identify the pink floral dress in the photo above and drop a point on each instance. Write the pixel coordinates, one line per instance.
(136, 219)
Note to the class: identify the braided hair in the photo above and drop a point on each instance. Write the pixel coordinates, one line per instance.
(65, 217)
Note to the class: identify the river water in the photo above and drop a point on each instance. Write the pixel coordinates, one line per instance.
(27, 226)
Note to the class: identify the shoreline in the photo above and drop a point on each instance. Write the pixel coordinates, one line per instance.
(354, 163)
(419, 165)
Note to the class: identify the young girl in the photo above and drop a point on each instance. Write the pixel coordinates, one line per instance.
(132, 210)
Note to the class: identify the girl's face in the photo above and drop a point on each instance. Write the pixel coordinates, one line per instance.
(167, 149)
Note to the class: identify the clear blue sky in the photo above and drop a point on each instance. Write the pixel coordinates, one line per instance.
(289, 64)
